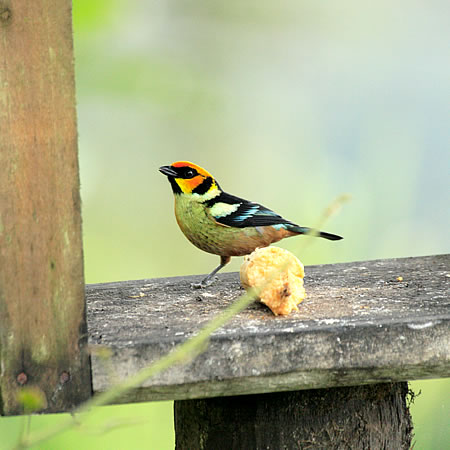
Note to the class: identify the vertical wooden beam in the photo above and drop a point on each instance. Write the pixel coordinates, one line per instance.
(360, 417)
(42, 309)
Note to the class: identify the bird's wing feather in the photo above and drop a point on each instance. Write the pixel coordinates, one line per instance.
(233, 211)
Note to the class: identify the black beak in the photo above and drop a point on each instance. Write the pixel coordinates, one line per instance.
(168, 170)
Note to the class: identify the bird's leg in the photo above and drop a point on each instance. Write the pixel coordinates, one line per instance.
(209, 279)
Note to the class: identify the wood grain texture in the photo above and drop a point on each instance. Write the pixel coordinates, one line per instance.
(361, 417)
(42, 310)
(358, 325)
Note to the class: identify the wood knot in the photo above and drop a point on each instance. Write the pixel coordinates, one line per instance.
(5, 15)
(64, 377)
(22, 378)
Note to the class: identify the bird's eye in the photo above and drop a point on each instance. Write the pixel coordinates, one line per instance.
(189, 173)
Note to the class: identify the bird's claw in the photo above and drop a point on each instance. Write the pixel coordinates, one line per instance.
(204, 283)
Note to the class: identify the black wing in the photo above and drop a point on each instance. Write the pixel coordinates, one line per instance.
(236, 212)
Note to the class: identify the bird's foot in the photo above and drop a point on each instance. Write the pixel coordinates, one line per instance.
(204, 283)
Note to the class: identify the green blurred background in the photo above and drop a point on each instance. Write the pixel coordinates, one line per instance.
(287, 103)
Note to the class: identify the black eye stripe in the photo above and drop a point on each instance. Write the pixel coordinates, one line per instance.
(186, 172)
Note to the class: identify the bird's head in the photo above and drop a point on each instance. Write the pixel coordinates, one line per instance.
(188, 178)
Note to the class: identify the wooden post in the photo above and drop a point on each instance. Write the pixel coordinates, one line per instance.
(42, 311)
(361, 417)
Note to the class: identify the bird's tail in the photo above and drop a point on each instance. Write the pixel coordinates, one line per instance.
(306, 230)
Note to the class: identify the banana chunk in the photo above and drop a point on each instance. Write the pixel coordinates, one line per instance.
(285, 291)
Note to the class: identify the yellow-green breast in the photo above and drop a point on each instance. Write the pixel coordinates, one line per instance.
(198, 225)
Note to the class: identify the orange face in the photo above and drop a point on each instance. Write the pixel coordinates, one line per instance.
(187, 176)
(187, 185)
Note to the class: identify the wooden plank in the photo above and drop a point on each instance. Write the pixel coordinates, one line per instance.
(358, 325)
(42, 310)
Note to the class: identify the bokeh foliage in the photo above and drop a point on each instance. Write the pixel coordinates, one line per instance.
(287, 103)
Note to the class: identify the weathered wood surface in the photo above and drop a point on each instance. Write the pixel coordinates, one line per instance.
(361, 417)
(358, 325)
(42, 312)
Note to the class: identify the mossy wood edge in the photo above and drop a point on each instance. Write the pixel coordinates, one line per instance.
(361, 323)
(43, 333)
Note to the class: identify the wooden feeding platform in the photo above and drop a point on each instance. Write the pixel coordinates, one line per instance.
(370, 325)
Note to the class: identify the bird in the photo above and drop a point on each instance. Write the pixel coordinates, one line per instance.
(221, 223)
